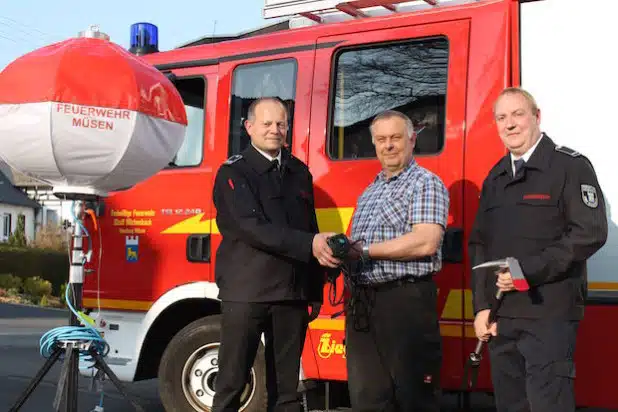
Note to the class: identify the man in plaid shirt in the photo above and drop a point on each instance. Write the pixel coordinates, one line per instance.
(393, 343)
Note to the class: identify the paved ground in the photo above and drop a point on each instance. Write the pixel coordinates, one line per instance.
(20, 330)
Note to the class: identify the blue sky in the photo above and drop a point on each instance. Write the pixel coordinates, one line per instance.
(26, 25)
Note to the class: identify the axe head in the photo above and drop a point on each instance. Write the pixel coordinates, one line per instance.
(519, 280)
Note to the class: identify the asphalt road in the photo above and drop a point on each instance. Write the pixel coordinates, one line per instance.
(20, 330)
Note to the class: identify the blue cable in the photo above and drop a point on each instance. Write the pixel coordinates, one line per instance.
(78, 221)
(74, 333)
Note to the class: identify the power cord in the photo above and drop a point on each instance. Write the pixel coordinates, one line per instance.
(340, 246)
(362, 299)
(74, 334)
(78, 334)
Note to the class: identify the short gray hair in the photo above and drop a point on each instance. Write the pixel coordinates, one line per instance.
(256, 102)
(522, 92)
(388, 114)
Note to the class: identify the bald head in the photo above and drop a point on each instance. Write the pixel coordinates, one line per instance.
(267, 125)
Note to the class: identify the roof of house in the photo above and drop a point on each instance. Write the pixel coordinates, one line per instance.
(6, 169)
(21, 180)
(10, 195)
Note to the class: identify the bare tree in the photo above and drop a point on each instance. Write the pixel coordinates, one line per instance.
(375, 79)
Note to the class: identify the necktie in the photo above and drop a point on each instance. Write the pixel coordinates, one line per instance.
(276, 169)
(519, 164)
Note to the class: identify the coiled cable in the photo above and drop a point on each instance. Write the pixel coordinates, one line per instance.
(77, 334)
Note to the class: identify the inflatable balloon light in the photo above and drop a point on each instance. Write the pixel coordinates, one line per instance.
(87, 117)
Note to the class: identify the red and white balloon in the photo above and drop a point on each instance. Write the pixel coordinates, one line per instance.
(88, 117)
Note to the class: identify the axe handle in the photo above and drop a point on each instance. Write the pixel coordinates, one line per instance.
(492, 318)
(492, 311)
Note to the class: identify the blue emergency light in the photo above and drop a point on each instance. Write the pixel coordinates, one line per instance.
(144, 39)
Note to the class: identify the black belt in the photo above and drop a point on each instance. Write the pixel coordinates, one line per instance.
(398, 282)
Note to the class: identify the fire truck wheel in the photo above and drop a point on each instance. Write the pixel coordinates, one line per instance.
(189, 367)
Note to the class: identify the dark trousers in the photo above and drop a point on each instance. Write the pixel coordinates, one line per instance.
(532, 365)
(393, 348)
(284, 326)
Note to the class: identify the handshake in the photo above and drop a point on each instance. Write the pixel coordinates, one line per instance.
(330, 249)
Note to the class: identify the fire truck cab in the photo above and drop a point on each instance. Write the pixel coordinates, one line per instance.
(336, 64)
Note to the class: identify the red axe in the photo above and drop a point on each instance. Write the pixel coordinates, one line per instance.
(520, 283)
(519, 280)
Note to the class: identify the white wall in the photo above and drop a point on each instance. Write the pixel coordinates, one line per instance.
(15, 211)
(568, 65)
(47, 199)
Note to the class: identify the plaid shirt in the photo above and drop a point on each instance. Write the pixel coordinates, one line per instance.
(388, 208)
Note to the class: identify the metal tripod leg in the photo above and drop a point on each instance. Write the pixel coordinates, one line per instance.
(100, 363)
(73, 382)
(36, 380)
(65, 381)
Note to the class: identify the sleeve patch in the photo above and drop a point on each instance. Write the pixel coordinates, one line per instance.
(568, 151)
(233, 159)
(589, 196)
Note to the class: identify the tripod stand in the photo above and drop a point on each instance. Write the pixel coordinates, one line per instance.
(76, 340)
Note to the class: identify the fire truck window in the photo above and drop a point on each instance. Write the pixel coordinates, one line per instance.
(409, 77)
(192, 91)
(251, 81)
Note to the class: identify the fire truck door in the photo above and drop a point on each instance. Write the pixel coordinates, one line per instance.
(171, 213)
(277, 72)
(419, 70)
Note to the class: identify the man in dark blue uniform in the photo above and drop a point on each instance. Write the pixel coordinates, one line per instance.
(542, 205)
(268, 266)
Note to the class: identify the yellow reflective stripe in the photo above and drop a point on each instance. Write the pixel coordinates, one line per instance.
(333, 219)
(141, 305)
(327, 324)
(603, 285)
(454, 305)
(193, 225)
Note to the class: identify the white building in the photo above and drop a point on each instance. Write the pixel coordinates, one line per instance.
(14, 203)
(54, 211)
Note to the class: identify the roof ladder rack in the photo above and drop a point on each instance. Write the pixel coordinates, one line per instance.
(310, 8)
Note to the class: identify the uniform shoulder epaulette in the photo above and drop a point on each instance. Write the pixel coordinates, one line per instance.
(568, 151)
(233, 159)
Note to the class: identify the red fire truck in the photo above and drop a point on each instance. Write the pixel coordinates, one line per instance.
(336, 64)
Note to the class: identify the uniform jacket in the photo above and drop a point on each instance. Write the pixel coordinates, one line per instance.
(268, 222)
(551, 217)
